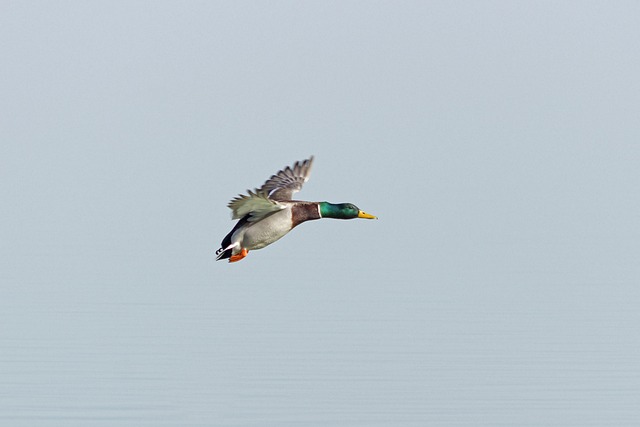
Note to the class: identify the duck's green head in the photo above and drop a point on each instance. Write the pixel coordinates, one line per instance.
(342, 211)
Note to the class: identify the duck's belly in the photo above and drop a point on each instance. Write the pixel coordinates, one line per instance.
(267, 231)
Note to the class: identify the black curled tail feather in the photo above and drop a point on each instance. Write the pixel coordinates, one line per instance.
(223, 254)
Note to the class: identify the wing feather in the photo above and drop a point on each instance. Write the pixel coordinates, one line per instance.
(256, 205)
(282, 185)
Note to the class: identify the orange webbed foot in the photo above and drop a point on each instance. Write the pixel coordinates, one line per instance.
(239, 256)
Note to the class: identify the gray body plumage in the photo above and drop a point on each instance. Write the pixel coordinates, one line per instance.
(259, 234)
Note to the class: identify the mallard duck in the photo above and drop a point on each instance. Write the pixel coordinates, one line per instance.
(268, 213)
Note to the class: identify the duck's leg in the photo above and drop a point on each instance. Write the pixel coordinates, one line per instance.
(237, 257)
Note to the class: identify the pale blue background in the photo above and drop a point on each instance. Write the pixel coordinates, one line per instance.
(498, 142)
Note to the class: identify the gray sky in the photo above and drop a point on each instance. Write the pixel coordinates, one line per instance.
(483, 134)
(497, 141)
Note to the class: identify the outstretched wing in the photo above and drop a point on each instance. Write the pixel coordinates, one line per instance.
(257, 205)
(289, 180)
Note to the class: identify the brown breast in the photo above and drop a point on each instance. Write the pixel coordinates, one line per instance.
(302, 212)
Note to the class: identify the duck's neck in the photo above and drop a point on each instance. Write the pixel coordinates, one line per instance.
(302, 212)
